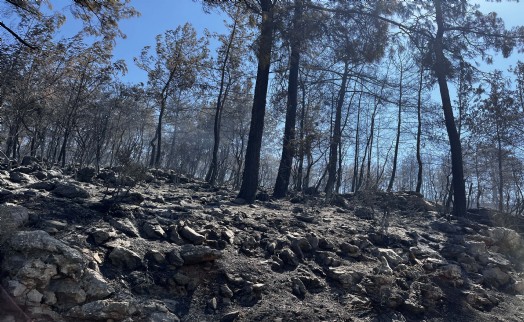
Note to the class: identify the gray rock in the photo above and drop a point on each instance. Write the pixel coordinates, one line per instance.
(68, 293)
(34, 297)
(192, 236)
(289, 257)
(198, 254)
(174, 258)
(103, 309)
(230, 317)
(298, 288)
(475, 248)
(153, 231)
(364, 213)
(19, 177)
(453, 273)
(226, 292)
(100, 236)
(67, 261)
(86, 174)
(156, 257)
(494, 276)
(95, 285)
(43, 185)
(12, 217)
(383, 268)
(345, 276)
(445, 227)
(70, 190)
(391, 256)
(174, 236)
(126, 226)
(228, 236)
(162, 317)
(125, 258)
(507, 239)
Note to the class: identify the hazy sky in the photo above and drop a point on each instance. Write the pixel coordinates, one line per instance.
(158, 16)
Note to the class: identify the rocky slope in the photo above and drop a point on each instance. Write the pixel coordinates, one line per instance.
(78, 248)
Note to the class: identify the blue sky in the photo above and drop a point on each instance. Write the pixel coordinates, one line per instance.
(158, 16)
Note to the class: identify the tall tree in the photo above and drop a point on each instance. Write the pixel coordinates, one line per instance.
(179, 55)
(249, 185)
(230, 51)
(288, 144)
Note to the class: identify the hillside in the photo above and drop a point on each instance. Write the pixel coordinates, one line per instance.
(76, 247)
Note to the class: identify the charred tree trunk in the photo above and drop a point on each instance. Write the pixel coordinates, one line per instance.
(459, 188)
(249, 185)
(419, 131)
(288, 145)
(335, 140)
(212, 173)
(397, 140)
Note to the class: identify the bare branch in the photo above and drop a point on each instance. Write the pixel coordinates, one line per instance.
(14, 34)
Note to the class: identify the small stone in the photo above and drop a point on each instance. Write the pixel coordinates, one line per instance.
(156, 257)
(213, 304)
(16, 288)
(298, 288)
(125, 258)
(34, 296)
(174, 258)
(198, 254)
(494, 276)
(289, 257)
(181, 279)
(126, 226)
(364, 213)
(391, 256)
(229, 236)
(350, 250)
(384, 267)
(230, 317)
(191, 235)
(226, 291)
(174, 236)
(154, 230)
(100, 236)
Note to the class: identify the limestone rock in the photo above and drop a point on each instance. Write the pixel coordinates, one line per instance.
(12, 217)
(350, 250)
(391, 256)
(104, 309)
(289, 257)
(125, 258)
(153, 231)
(192, 236)
(198, 254)
(95, 285)
(68, 261)
(345, 276)
(174, 258)
(162, 317)
(494, 276)
(126, 226)
(68, 293)
(100, 236)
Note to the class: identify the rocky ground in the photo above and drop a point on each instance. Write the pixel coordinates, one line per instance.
(75, 247)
